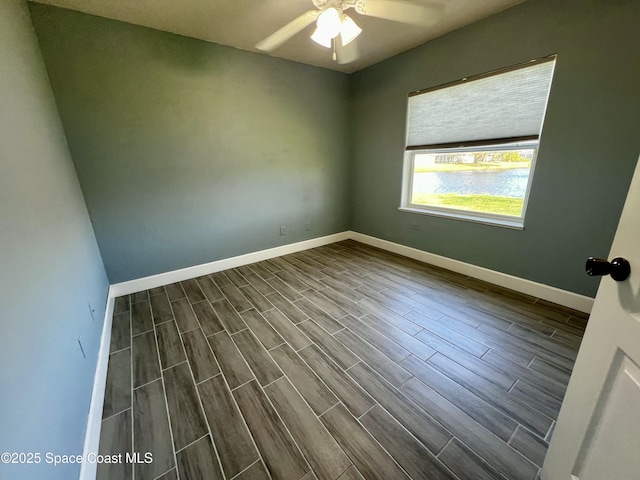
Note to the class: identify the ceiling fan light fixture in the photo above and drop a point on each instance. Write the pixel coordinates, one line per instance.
(329, 25)
(349, 30)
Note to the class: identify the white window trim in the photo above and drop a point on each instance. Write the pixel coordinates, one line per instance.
(505, 221)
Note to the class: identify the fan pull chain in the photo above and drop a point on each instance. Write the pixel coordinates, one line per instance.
(335, 57)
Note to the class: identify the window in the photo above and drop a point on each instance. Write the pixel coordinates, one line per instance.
(472, 145)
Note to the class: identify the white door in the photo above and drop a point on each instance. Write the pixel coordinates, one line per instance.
(598, 432)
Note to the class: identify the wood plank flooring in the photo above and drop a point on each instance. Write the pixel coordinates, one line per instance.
(339, 362)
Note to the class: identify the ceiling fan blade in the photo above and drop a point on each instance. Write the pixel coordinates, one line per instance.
(277, 38)
(422, 15)
(349, 53)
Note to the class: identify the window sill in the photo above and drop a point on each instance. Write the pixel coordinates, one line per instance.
(515, 224)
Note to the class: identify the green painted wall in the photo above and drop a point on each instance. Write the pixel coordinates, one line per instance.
(50, 266)
(589, 147)
(189, 152)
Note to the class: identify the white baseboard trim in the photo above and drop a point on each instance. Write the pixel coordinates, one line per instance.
(573, 300)
(145, 283)
(88, 470)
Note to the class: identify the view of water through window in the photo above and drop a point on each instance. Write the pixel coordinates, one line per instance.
(491, 182)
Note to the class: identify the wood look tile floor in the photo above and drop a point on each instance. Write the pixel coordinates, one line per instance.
(340, 362)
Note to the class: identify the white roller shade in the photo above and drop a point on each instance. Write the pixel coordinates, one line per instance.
(504, 105)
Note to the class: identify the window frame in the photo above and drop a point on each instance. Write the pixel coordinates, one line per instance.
(494, 219)
(511, 143)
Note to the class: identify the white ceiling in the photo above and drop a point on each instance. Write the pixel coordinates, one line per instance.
(243, 23)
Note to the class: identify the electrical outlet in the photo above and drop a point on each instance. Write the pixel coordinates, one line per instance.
(307, 226)
(80, 344)
(415, 226)
(92, 311)
(283, 230)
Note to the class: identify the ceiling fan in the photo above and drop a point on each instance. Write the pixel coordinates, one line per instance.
(332, 22)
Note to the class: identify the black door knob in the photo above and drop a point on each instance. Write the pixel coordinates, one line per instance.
(618, 268)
